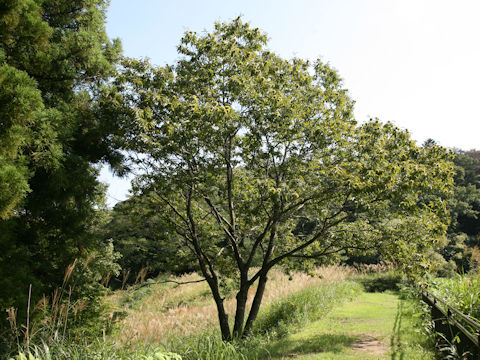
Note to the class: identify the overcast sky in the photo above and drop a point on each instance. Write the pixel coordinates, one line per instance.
(412, 62)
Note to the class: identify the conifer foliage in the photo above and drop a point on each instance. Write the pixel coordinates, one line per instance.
(55, 58)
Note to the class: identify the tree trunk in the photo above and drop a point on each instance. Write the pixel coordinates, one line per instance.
(257, 300)
(242, 296)
(223, 319)
(222, 315)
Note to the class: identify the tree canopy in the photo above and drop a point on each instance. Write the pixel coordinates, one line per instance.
(464, 207)
(256, 161)
(55, 59)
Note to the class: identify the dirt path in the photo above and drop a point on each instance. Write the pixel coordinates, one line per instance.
(373, 326)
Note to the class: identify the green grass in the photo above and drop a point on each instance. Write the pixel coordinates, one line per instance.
(98, 350)
(325, 321)
(460, 291)
(380, 322)
(304, 307)
(275, 321)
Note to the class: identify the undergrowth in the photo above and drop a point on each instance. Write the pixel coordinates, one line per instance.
(98, 350)
(382, 281)
(461, 292)
(276, 319)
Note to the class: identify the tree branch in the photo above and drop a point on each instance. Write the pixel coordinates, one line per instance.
(182, 282)
(257, 242)
(233, 241)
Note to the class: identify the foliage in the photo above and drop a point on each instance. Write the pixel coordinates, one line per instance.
(382, 281)
(144, 241)
(464, 206)
(461, 292)
(55, 58)
(255, 160)
(465, 202)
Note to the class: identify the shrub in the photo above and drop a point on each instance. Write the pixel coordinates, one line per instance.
(382, 281)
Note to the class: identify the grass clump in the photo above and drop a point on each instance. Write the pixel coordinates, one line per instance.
(210, 346)
(98, 350)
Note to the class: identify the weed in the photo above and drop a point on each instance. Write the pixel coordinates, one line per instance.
(461, 292)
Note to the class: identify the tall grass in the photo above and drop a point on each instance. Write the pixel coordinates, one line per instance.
(98, 350)
(47, 320)
(275, 321)
(461, 291)
(162, 320)
(172, 311)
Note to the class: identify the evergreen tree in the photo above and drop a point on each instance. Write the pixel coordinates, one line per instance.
(55, 59)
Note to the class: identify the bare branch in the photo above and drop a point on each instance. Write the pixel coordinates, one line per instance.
(221, 221)
(258, 241)
(307, 243)
(182, 282)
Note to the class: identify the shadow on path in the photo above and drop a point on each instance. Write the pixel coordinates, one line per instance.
(395, 340)
(315, 344)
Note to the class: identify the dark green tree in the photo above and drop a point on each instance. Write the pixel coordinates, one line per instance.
(144, 240)
(464, 206)
(55, 59)
(239, 145)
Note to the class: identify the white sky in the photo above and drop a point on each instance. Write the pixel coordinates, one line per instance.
(413, 62)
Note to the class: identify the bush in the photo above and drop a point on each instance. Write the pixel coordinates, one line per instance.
(382, 281)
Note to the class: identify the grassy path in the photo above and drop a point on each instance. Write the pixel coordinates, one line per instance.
(373, 326)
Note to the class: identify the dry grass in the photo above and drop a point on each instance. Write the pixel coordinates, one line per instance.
(171, 311)
(382, 266)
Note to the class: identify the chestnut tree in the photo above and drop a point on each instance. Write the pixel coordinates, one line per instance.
(255, 161)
